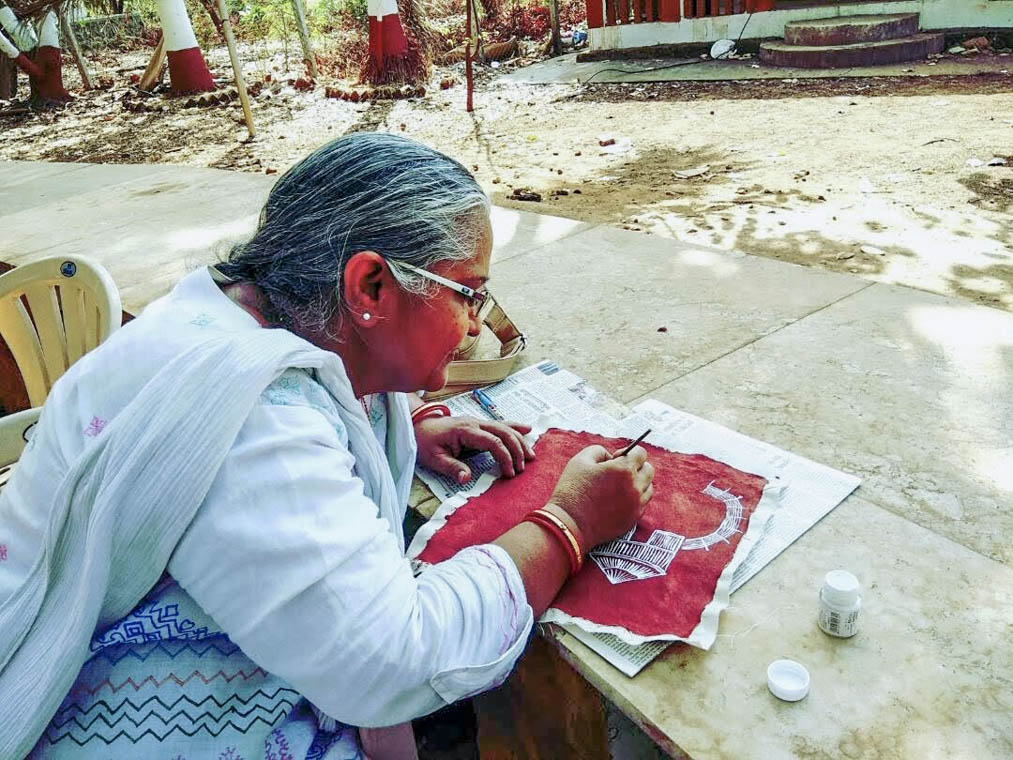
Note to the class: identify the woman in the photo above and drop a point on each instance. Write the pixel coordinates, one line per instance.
(205, 546)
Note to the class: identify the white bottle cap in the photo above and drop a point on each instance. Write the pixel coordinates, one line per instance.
(788, 680)
(841, 588)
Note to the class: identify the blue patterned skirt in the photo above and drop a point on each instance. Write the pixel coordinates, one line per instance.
(165, 683)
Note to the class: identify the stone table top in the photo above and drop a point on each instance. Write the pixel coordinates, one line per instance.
(908, 390)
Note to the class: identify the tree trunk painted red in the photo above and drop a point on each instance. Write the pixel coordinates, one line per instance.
(28, 66)
(48, 85)
(393, 58)
(8, 78)
(188, 72)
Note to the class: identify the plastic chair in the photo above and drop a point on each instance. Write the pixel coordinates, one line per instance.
(52, 312)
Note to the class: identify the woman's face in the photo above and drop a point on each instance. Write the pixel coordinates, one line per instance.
(433, 327)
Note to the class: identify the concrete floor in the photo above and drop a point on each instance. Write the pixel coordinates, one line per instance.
(565, 69)
(909, 390)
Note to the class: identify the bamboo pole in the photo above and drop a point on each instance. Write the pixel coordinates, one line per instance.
(154, 68)
(230, 40)
(75, 49)
(471, 49)
(304, 38)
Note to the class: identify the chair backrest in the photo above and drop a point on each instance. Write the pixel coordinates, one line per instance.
(52, 312)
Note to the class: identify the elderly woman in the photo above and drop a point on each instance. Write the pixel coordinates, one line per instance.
(205, 546)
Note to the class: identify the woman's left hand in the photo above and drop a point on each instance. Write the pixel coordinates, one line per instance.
(442, 440)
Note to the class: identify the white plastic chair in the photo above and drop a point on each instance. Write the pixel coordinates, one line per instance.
(52, 312)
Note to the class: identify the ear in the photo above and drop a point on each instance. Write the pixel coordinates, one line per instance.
(368, 287)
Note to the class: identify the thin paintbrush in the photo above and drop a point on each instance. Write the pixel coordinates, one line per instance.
(629, 448)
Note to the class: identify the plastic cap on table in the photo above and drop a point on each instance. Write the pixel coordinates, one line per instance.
(841, 587)
(788, 680)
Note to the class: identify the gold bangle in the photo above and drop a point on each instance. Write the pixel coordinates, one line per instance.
(576, 553)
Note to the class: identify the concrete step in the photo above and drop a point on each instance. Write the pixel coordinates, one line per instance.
(846, 56)
(850, 30)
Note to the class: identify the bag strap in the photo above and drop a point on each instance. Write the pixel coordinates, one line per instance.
(463, 375)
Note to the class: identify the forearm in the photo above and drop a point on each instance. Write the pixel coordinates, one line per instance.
(542, 561)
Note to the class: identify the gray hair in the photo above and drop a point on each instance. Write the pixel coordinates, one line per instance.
(362, 192)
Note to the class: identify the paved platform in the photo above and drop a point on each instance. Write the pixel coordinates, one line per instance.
(565, 69)
(909, 390)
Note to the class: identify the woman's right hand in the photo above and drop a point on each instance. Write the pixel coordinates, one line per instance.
(604, 496)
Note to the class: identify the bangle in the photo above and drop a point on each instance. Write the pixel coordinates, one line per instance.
(561, 531)
(430, 410)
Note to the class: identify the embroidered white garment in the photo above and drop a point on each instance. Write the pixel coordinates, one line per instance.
(283, 528)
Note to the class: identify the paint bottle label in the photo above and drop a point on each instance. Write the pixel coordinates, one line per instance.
(839, 604)
(837, 623)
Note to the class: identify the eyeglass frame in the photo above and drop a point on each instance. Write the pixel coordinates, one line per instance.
(477, 298)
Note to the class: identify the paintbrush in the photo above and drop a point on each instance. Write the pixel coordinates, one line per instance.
(629, 448)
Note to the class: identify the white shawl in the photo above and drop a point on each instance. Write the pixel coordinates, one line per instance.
(124, 504)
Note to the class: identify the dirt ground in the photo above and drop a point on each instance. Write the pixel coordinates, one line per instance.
(889, 179)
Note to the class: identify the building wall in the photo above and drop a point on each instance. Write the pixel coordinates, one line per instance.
(935, 14)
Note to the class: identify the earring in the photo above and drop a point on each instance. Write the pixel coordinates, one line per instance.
(366, 316)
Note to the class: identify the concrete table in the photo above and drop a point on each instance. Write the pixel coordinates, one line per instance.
(910, 391)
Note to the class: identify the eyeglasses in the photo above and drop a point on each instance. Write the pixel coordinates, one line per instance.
(475, 297)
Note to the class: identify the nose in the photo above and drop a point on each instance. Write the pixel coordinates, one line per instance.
(474, 323)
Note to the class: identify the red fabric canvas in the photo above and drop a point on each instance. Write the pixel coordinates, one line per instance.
(667, 604)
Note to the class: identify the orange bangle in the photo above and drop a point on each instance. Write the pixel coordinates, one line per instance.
(561, 531)
(426, 411)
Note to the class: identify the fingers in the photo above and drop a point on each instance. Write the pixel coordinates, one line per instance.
(646, 497)
(520, 450)
(596, 454)
(520, 427)
(482, 440)
(644, 476)
(637, 455)
(448, 465)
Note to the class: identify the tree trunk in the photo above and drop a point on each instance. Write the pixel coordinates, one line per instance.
(188, 72)
(8, 78)
(304, 38)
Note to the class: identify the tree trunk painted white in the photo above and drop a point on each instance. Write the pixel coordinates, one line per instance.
(304, 38)
(21, 34)
(188, 72)
(49, 87)
(11, 51)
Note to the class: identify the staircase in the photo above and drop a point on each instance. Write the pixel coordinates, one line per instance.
(848, 41)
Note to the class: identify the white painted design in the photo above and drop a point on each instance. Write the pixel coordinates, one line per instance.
(22, 34)
(626, 560)
(176, 27)
(49, 35)
(728, 527)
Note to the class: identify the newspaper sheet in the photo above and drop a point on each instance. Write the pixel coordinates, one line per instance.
(810, 489)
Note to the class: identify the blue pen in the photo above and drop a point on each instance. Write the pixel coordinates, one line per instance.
(487, 404)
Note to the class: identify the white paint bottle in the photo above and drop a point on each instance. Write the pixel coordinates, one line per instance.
(839, 604)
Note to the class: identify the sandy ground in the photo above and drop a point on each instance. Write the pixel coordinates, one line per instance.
(885, 178)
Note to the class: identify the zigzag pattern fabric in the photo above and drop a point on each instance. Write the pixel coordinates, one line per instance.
(166, 682)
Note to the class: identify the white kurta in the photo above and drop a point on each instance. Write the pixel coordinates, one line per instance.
(287, 553)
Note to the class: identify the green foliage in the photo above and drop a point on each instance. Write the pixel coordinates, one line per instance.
(330, 15)
(252, 20)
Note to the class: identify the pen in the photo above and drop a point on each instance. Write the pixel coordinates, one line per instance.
(487, 404)
(629, 448)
